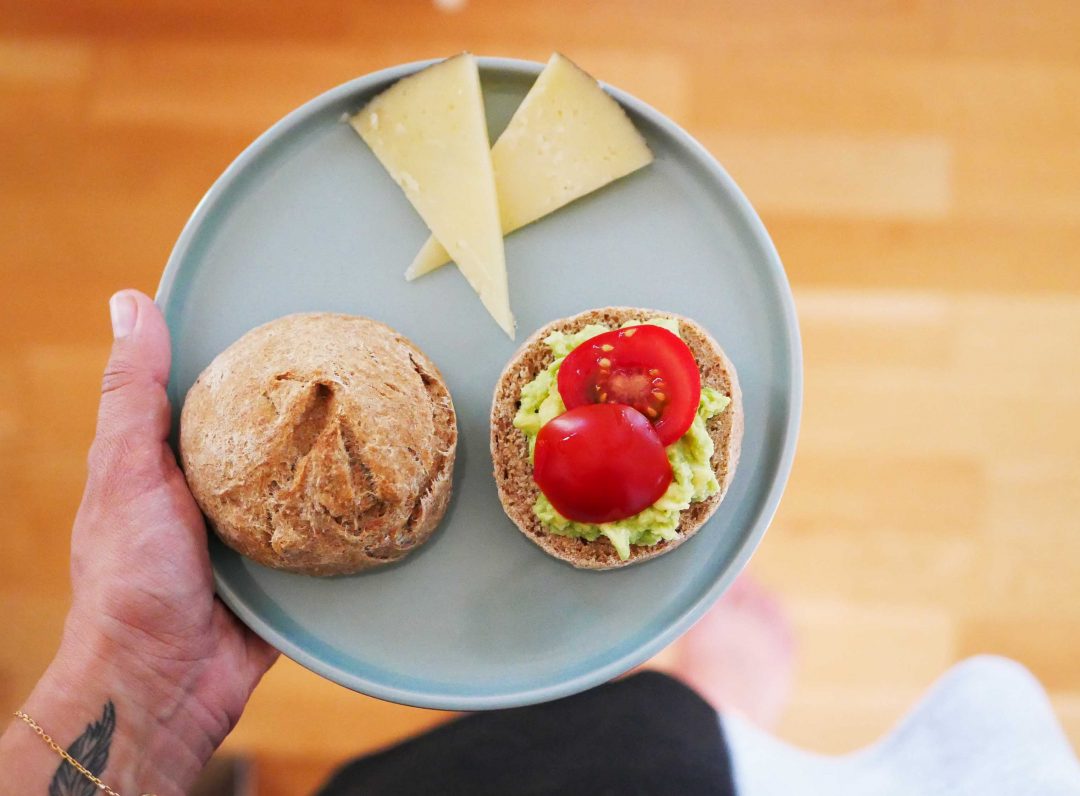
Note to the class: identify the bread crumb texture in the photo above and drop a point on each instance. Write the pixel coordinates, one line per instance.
(320, 443)
(509, 449)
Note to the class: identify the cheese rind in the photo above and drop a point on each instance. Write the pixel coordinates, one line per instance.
(566, 139)
(429, 132)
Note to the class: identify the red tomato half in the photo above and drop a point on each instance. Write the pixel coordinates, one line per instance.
(645, 367)
(600, 463)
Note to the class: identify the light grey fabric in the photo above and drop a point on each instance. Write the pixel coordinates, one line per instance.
(986, 728)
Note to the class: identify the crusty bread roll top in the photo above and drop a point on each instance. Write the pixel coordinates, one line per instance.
(320, 443)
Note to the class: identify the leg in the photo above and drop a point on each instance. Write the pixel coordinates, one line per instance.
(645, 734)
(740, 655)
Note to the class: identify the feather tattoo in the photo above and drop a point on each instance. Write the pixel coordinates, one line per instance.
(91, 749)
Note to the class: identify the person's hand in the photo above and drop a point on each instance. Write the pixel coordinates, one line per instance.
(145, 629)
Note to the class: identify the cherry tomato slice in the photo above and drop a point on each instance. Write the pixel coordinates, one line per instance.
(645, 367)
(600, 463)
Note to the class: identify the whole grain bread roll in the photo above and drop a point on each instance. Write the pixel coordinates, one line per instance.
(510, 453)
(322, 444)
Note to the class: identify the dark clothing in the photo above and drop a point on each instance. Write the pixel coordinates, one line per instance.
(647, 734)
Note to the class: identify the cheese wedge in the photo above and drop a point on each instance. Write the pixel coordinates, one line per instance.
(566, 139)
(429, 132)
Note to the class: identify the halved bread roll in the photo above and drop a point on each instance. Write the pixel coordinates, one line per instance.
(509, 448)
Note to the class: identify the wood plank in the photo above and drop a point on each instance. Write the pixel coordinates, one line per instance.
(703, 26)
(128, 19)
(1035, 498)
(1029, 639)
(897, 329)
(323, 717)
(33, 621)
(953, 254)
(41, 63)
(1016, 344)
(864, 565)
(840, 176)
(291, 775)
(868, 93)
(902, 646)
(908, 496)
(150, 83)
(1002, 181)
(939, 417)
(1000, 29)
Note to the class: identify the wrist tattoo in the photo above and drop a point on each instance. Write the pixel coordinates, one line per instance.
(91, 749)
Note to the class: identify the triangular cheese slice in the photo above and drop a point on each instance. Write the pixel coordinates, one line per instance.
(566, 139)
(429, 131)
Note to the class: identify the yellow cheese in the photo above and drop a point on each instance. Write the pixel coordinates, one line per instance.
(566, 139)
(429, 131)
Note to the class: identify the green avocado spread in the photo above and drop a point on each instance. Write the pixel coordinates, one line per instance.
(693, 478)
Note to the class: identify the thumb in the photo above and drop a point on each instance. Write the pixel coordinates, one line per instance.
(133, 418)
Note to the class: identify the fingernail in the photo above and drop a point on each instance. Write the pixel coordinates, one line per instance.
(122, 310)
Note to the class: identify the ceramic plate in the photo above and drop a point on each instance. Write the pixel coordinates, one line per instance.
(306, 219)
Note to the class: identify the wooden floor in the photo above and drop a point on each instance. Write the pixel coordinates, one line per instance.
(916, 162)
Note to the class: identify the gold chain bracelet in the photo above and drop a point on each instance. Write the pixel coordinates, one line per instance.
(63, 753)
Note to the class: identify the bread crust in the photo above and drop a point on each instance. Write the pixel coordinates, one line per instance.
(509, 449)
(320, 443)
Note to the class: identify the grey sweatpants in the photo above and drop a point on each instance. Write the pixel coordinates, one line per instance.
(986, 728)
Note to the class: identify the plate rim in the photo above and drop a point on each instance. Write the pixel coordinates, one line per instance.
(686, 618)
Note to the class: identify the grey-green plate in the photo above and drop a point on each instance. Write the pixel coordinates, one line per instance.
(306, 219)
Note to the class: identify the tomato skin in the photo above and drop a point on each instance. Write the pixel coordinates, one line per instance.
(600, 463)
(646, 367)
